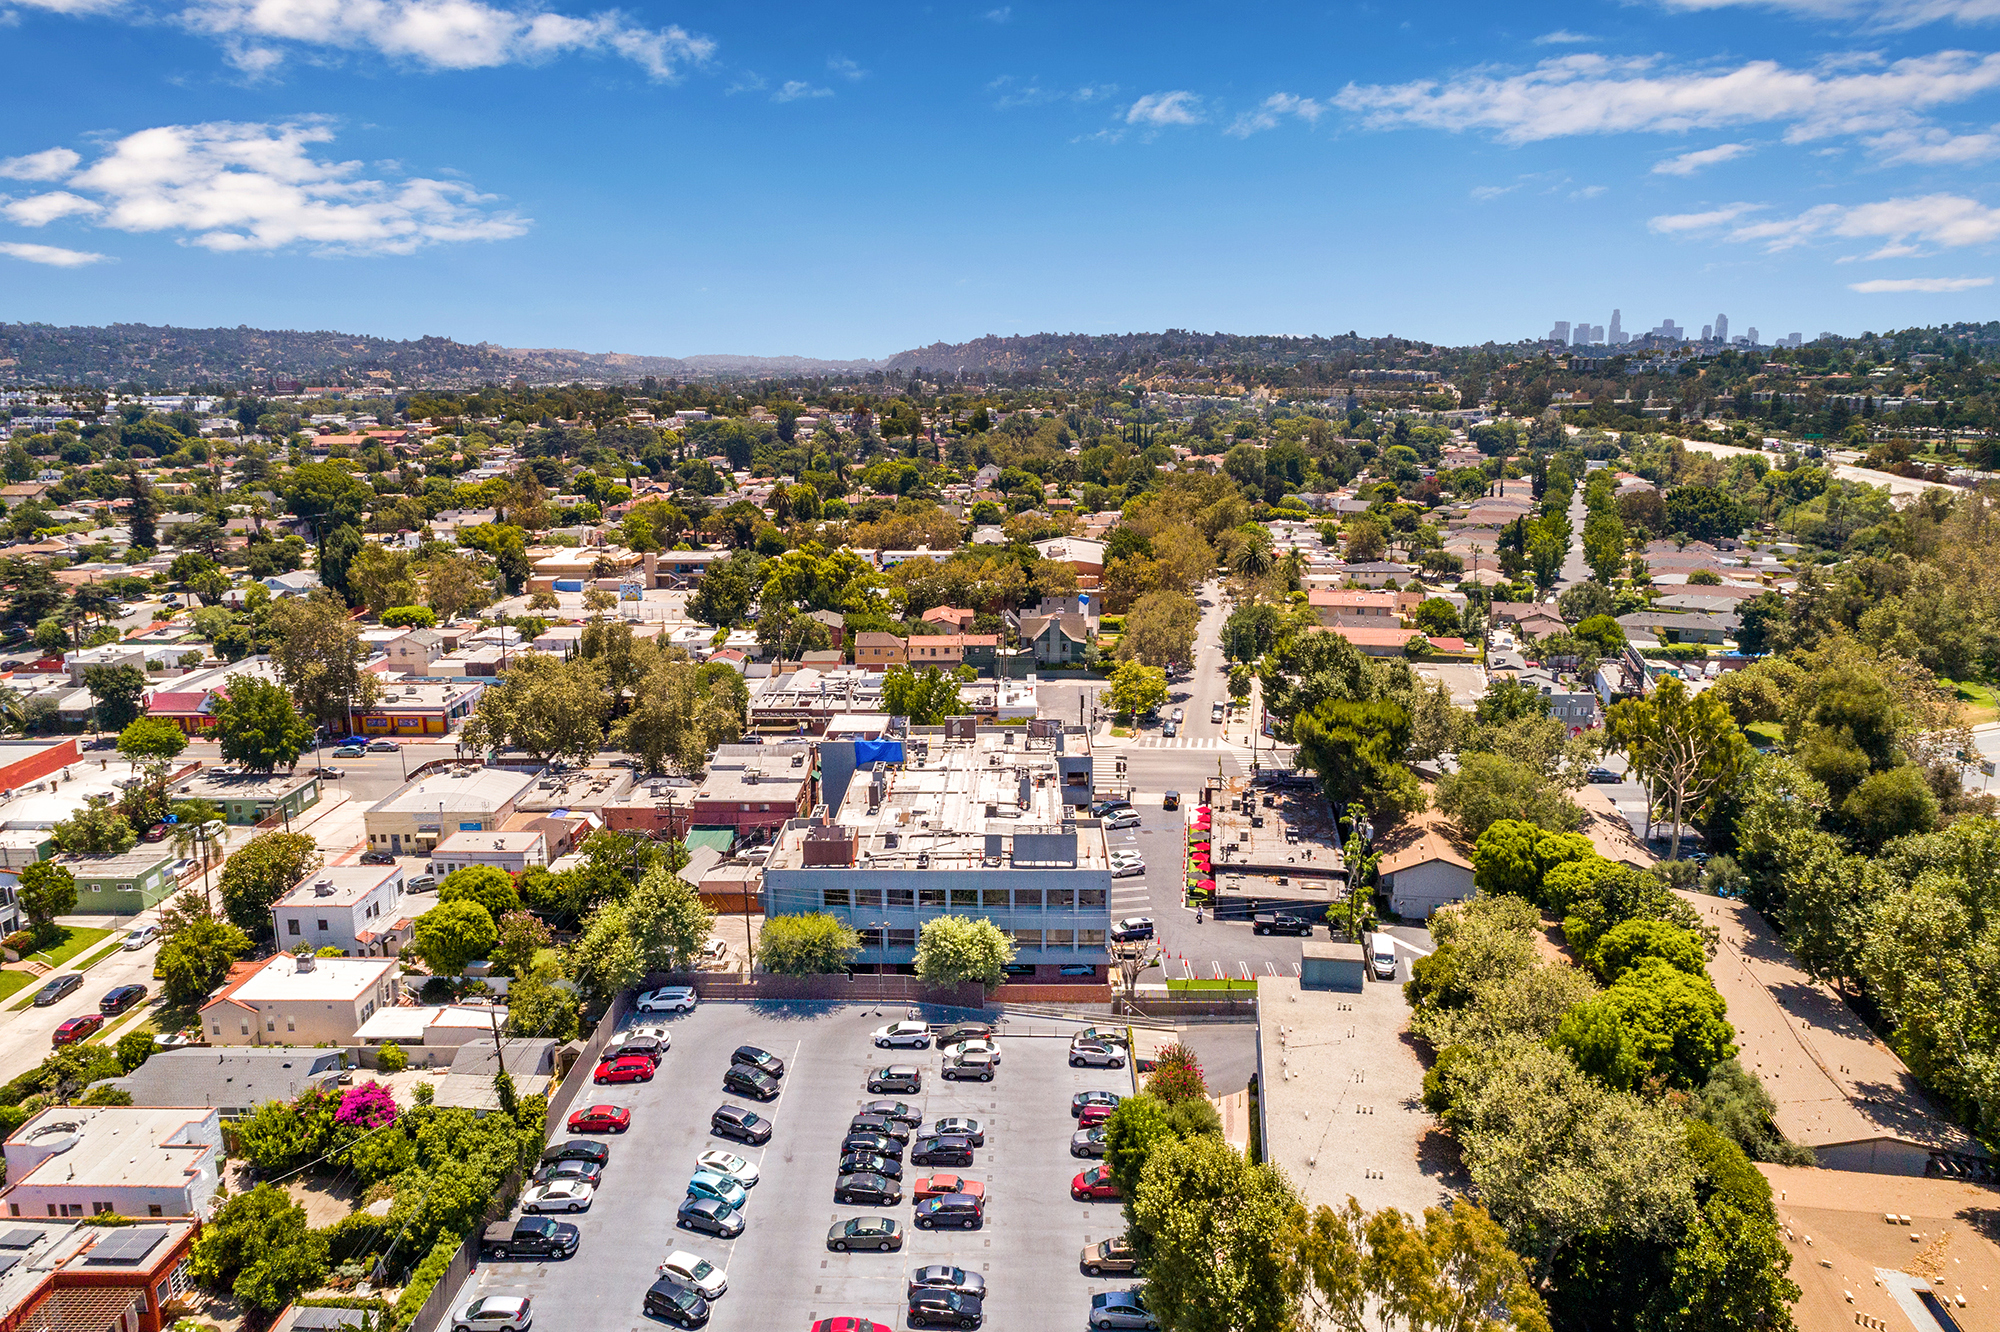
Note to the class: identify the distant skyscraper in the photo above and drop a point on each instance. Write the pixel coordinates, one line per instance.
(1669, 330)
(1617, 336)
(1560, 333)
(1707, 332)
(1722, 328)
(1579, 334)
(1597, 333)
(1753, 335)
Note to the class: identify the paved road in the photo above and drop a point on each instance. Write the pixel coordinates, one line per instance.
(27, 1037)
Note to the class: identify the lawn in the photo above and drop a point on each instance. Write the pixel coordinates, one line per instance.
(1770, 732)
(1976, 702)
(76, 939)
(1240, 986)
(10, 981)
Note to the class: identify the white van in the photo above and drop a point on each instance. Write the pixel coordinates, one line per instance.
(1382, 956)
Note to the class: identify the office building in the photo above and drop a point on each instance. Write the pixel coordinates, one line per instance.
(1617, 336)
(1753, 335)
(1670, 331)
(1722, 328)
(1707, 332)
(989, 822)
(414, 818)
(1560, 333)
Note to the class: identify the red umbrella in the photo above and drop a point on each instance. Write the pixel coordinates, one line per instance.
(1206, 885)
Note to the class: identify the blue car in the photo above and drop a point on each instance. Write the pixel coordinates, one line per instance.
(707, 1184)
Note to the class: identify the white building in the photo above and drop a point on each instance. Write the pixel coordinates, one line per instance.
(292, 1000)
(82, 1160)
(355, 908)
(514, 852)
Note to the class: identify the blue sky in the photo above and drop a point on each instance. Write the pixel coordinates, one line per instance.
(853, 180)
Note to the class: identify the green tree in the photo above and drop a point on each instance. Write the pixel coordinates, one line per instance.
(722, 596)
(142, 517)
(1630, 942)
(680, 713)
(409, 617)
(811, 943)
(953, 950)
(546, 707)
(318, 653)
(1357, 749)
(117, 691)
(260, 1250)
(150, 740)
(1205, 1224)
(135, 1048)
(47, 890)
(1454, 1273)
(97, 829)
(926, 698)
(452, 934)
(258, 726)
(1513, 856)
(261, 871)
(488, 885)
(1138, 1125)
(1676, 1021)
(1136, 689)
(1687, 746)
(196, 957)
(1437, 617)
(522, 936)
(1160, 629)
(540, 1008)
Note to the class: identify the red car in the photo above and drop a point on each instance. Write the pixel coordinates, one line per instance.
(1092, 1115)
(74, 1030)
(625, 1068)
(849, 1325)
(936, 1186)
(601, 1119)
(1092, 1185)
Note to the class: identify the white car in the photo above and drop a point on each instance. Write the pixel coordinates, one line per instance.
(1122, 818)
(730, 1165)
(1126, 869)
(559, 1195)
(672, 999)
(909, 1035)
(653, 1029)
(700, 1273)
(140, 937)
(495, 1313)
(958, 1050)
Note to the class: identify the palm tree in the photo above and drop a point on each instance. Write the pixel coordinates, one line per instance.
(1254, 560)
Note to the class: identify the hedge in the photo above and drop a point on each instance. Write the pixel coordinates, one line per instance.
(429, 1272)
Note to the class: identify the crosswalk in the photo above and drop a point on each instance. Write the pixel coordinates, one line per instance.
(1185, 742)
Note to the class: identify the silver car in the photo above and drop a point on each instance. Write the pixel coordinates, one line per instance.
(1095, 1056)
(904, 1035)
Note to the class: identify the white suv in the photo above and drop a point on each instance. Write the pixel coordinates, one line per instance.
(494, 1313)
(674, 998)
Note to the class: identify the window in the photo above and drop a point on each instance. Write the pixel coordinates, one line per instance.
(901, 897)
(871, 939)
(1027, 899)
(270, 1024)
(290, 1024)
(246, 1028)
(292, 926)
(1027, 939)
(99, 1208)
(1090, 938)
(930, 897)
(320, 924)
(868, 897)
(153, 1209)
(216, 1029)
(1062, 899)
(1087, 898)
(902, 938)
(994, 897)
(1062, 938)
(965, 897)
(837, 897)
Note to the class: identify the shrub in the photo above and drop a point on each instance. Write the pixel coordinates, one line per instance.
(368, 1106)
(429, 1272)
(391, 1059)
(1177, 1076)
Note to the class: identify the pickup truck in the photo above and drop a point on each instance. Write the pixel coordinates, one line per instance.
(1268, 923)
(529, 1237)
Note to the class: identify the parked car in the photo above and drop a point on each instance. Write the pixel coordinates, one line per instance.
(578, 1149)
(900, 1111)
(873, 1190)
(882, 1124)
(670, 999)
(945, 1308)
(1088, 1143)
(590, 1172)
(958, 1126)
(908, 1035)
(1131, 929)
(494, 1313)
(1105, 808)
(710, 1217)
(662, 1039)
(1171, 800)
(1121, 1309)
(962, 1031)
(601, 1119)
(949, 1209)
(941, 1152)
(849, 1325)
(1122, 818)
(139, 938)
(58, 987)
(896, 1078)
(79, 1028)
(351, 751)
(719, 1187)
(422, 883)
(676, 1301)
(1094, 1185)
(864, 1163)
(973, 1045)
(559, 1195)
(938, 1185)
(1279, 922)
(377, 858)
(728, 1165)
(763, 1061)
(383, 746)
(691, 1270)
(862, 1232)
(1130, 867)
(325, 773)
(638, 1046)
(1095, 1056)
(1101, 1036)
(943, 1276)
(747, 1081)
(873, 1144)
(1601, 775)
(744, 1125)
(121, 998)
(1112, 1255)
(530, 1237)
(973, 1066)
(624, 1068)
(1085, 1099)
(1092, 1115)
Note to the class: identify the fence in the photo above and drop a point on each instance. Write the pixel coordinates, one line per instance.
(861, 989)
(579, 1074)
(1050, 994)
(437, 1305)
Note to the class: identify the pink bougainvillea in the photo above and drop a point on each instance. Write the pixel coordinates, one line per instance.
(368, 1106)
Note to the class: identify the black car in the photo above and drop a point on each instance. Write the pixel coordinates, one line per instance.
(867, 1163)
(377, 858)
(895, 1078)
(874, 1144)
(120, 999)
(711, 1217)
(949, 1209)
(747, 1081)
(761, 1060)
(648, 1046)
(941, 1152)
(900, 1111)
(943, 1276)
(1602, 775)
(677, 1302)
(963, 1031)
(57, 987)
(578, 1149)
(957, 1126)
(945, 1308)
(588, 1171)
(733, 1121)
(888, 1128)
(872, 1189)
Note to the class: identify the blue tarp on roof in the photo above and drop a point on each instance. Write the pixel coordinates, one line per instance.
(877, 751)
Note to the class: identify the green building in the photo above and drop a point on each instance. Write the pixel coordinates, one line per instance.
(125, 884)
(248, 798)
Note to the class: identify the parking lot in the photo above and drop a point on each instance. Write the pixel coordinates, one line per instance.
(781, 1275)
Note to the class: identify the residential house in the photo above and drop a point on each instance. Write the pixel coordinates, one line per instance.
(878, 652)
(1423, 866)
(1056, 640)
(86, 1160)
(1086, 557)
(358, 909)
(514, 852)
(1670, 626)
(948, 651)
(124, 884)
(234, 1081)
(954, 619)
(58, 1275)
(1331, 605)
(836, 625)
(414, 652)
(299, 999)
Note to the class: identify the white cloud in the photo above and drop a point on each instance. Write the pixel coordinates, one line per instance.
(1595, 94)
(50, 164)
(38, 210)
(1155, 110)
(1488, 193)
(1588, 192)
(71, 6)
(1564, 37)
(1904, 226)
(1013, 93)
(229, 186)
(1879, 13)
(845, 68)
(1274, 109)
(53, 255)
(798, 90)
(1879, 285)
(1689, 163)
(1934, 147)
(438, 34)
(1000, 15)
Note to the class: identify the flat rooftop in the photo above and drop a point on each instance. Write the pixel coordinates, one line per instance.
(230, 784)
(339, 885)
(331, 979)
(493, 843)
(587, 788)
(459, 789)
(111, 1146)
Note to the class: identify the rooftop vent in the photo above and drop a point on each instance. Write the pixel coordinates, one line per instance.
(324, 888)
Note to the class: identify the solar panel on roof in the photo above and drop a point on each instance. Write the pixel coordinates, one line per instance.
(21, 1238)
(126, 1246)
